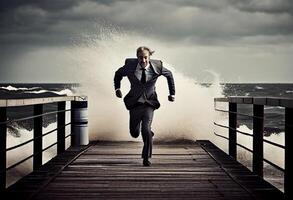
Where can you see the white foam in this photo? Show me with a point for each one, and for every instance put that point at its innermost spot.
(190, 116)
(259, 87)
(67, 92)
(20, 153)
(271, 153)
(11, 88)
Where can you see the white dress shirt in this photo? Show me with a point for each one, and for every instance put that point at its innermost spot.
(149, 72)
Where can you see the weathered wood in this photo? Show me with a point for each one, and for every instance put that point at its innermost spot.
(109, 171)
(34, 101)
(258, 127)
(38, 132)
(253, 184)
(26, 187)
(3, 136)
(61, 128)
(266, 101)
(232, 130)
(288, 177)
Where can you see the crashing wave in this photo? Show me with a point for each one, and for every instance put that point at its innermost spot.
(67, 92)
(259, 88)
(11, 88)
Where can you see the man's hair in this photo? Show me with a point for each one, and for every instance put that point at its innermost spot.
(142, 48)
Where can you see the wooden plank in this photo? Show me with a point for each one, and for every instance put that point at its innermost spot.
(34, 101)
(256, 186)
(114, 171)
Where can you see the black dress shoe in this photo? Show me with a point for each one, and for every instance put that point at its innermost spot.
(146, 163)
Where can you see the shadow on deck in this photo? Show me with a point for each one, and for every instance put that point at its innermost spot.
(113, 170)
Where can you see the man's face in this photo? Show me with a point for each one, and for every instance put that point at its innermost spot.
(143, 58)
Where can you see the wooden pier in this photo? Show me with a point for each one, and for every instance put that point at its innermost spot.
(113, 170)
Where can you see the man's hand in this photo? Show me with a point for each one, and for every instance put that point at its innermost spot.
(118, 93)
(171, 98)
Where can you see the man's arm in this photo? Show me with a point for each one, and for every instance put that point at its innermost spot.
(117, 81)
(171, 84)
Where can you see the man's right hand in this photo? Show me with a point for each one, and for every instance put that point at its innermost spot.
(118, 93)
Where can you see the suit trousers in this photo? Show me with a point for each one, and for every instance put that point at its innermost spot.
(141, 118)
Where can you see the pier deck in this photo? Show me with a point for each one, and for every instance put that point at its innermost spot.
(113, 170)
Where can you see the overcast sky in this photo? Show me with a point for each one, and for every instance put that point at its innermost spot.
(240, 40)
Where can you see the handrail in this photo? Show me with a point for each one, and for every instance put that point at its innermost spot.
(274, 165)
(258, 130)
(77, 105)
(4, 103)
(32, 117)
(244, 147)
(265, 101)
(274, 144)
(251, 151)
(221, 136)
(223, 126)
(250, 135)
(34, 154)
(28, 141)
(241, 114)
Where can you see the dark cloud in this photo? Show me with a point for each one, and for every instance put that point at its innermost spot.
(231, 32)
(264, 6)
(55, 22)
(51, 5)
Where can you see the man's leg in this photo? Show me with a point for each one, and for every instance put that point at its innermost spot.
(147, 134)
(135, 116)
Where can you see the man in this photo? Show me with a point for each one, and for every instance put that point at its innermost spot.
(141, 101)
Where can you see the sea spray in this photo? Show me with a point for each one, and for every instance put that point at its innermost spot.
(97, 58)
(22, 152)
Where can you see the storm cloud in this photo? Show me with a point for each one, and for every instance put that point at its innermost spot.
(195, 21)
(29, 24)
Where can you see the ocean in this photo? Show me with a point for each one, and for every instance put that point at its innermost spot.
(274, 121)
(274, 116)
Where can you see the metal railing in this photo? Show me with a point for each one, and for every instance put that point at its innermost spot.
(38, 134)
(258, 131)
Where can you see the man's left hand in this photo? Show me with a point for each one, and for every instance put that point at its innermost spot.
(171, 98)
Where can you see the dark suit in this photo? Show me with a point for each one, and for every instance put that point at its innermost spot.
(142, 112)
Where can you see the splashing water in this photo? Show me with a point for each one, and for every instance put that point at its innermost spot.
(99, 56)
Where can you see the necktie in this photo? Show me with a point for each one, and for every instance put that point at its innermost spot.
(143, 76)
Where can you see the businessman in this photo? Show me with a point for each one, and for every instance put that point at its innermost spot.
(141, 100)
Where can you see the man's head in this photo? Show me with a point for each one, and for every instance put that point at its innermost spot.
(143, 55)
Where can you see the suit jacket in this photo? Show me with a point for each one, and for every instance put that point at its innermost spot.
(137, 88)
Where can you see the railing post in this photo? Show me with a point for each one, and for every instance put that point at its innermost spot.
(3, 136)
(61, 127)
(232, 130)
(258, 127)
(288, 176)
(72, 138)
(38, 132)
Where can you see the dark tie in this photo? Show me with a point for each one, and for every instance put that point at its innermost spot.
(143, 76)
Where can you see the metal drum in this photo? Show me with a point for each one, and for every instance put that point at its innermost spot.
(79, 123)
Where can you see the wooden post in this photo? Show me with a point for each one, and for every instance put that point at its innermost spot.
(258, 127)
(288, 152)
(3, 136)
(232, 130)
(61, 127)
(38, 131)
(73, 138)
